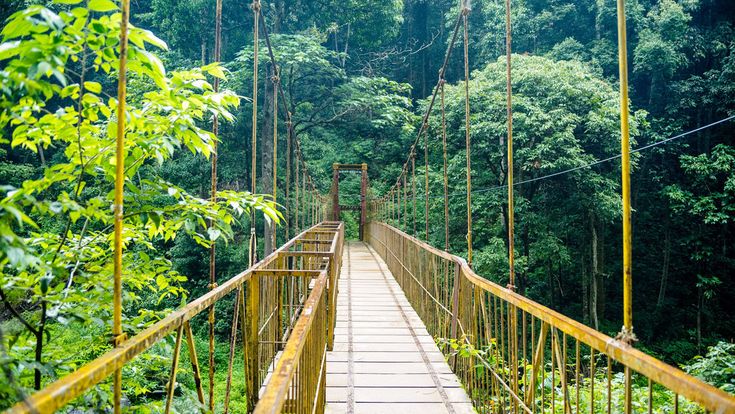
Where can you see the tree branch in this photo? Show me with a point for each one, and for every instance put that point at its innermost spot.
(15, 313)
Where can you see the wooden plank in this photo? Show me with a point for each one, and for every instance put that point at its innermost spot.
(384, 360)
(393, 380)
(402, 408)
(397, 395)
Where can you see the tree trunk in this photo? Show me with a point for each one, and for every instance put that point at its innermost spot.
(347, 45)
(280, 14)
(598, 19)
(39, 347)
(204, 51)
(601, 286)
(594, 288)
(665, 267)
(41, 156)
(700, 304)
(521, 275)
(585, 294)
(424, 21)
(550, 283)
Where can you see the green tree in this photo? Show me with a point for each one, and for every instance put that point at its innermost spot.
(661, 47)
(565, 117)
(55, 248)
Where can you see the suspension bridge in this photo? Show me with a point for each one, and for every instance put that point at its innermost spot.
(389, 323)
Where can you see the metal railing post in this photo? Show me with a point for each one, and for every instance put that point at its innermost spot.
(253, 306)
(332, 292)
(455, 308)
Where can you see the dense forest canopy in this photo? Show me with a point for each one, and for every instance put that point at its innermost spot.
(358, 75)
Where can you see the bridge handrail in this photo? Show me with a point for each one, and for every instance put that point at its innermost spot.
(305, 353)
(674, 379)
(307, 328)
(57, 394)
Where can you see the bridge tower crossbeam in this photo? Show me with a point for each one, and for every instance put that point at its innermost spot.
(337, 168)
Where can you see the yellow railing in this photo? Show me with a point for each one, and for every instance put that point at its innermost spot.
(298, 381)
(515, 355)
(271, 303)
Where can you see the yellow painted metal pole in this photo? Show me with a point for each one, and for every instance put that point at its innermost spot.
(626, 335)
(413, 189)
(196, 372)
(253, 303)
(274, 244)
(276, 80)
(446, 178)
(117, 331)
(171, 386)
(509, 103)
(287, 203)
(426, 184)
(465, 12)
(625, 147)
(513, 313)
(213, 195)
(305, 197)
(297, 181)
(251, 338)
(252, 250)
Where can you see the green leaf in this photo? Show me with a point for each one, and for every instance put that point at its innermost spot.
(213, 233)
(9, 49)
(149, 37)
(79, 12)
(93, 87)
(67, 1)
(161, 282)
(17, 27)
(216, 71)
(102, 5)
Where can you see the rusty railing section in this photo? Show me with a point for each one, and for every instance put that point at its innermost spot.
(283, 306)
(297, 383)
(514, 355)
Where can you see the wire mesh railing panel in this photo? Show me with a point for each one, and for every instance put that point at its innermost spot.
(297, 383)
(298, 380)
(513, 355)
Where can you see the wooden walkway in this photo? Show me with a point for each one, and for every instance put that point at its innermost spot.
(384, 360)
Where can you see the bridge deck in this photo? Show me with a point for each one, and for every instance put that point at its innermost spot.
(384, 360)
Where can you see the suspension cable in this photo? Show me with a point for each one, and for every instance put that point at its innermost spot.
(446, 178)
(413, 190)
(424, 124)
(296, 197)
(435, 90)
(287, 110)
(275, 79)
(405, 203)
(426, 183)
(395, 215)
(287, 203)
(597, 162)
(305, 201)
